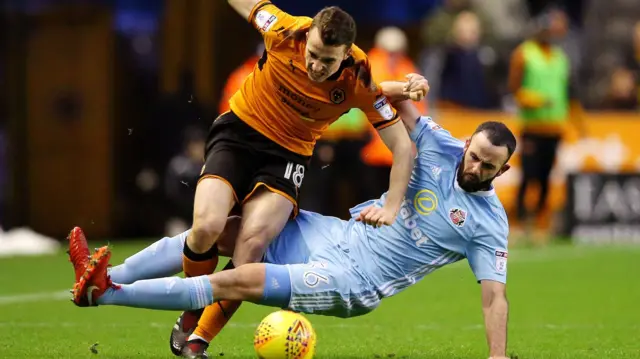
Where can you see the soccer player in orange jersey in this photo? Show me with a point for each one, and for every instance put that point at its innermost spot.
(257, 153)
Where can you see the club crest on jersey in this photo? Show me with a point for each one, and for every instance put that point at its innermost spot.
(337, 95)
(501, 261)
(458, 216)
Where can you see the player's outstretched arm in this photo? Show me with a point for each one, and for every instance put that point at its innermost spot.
(243, 7)
(409, 114)
(496, 312)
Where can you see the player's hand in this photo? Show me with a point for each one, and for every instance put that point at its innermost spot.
(376, 216)
(416, 87)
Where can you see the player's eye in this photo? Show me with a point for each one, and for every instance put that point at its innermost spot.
(313, 55)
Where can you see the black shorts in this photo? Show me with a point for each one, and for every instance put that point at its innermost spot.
(246, 160)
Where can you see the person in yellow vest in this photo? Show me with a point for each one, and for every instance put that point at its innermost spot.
(540, 79)
(389, 62)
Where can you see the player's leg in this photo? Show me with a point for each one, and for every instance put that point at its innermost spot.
(174, 293)
(264, 215)
(163, 258)
(529, 173)
(317, 287)
(214, 200)
(230, 161)
(546, 159)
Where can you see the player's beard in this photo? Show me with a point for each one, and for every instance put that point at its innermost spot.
(470, 182)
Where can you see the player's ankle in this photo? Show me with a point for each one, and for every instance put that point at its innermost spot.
(197, 337)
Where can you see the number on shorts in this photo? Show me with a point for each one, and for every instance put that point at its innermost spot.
(312, 279)
(296, 176)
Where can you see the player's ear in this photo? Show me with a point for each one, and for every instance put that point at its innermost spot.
(467, 143)
(348, 53)
(504, 169)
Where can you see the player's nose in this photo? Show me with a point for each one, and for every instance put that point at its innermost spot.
(316, 67)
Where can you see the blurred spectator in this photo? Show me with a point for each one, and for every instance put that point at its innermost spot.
(389, 62)
(237, 77)
(436, 28)
(180, 180)
(623, 92)
(632, 64)
(540, 79)
(506, 18)
(461, 68)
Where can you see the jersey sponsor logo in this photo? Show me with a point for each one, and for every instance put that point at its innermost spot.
(384, 108)
(409, 220)
(458, 216)
(501, 260)
(425, 202)
(337, 95)
(295, 101)
(264, 20)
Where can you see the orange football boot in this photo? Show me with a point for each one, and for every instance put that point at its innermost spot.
(78, 251)
(94, 281)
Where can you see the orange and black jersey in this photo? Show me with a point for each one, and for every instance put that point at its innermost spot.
(281, 102)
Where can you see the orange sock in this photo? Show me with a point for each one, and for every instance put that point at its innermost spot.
(214, 318)
(197, 264)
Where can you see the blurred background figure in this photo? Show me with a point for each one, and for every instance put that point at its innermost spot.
(236, 78)
(389, 62)
(180, 180)
(540, 79)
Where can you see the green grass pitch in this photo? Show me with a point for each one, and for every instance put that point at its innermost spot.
(566, 302)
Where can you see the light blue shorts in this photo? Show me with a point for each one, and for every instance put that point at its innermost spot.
(322, 258)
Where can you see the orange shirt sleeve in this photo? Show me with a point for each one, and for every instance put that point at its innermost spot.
(274, 23)
(370, 99)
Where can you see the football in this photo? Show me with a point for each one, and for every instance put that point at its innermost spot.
(285, 335)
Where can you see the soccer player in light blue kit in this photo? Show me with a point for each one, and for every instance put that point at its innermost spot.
(325, 265)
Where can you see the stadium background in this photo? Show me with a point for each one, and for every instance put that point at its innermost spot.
(104, 106)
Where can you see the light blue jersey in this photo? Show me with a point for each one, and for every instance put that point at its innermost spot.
(344, 268)
(436, 211)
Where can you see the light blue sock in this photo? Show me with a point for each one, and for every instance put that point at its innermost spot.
(171, 293)
(161, 259)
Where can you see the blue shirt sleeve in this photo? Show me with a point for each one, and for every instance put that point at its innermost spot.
(431, 137)
(487, 254)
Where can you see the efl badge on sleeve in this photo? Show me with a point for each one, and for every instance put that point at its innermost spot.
(501, 261)
(264, 20)
(384, 108)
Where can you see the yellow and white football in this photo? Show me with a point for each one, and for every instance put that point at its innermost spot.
(285, 335)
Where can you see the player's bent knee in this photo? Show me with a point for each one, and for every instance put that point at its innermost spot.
(205, 233)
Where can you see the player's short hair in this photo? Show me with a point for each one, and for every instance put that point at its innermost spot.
(499, 135)
(336, 26)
